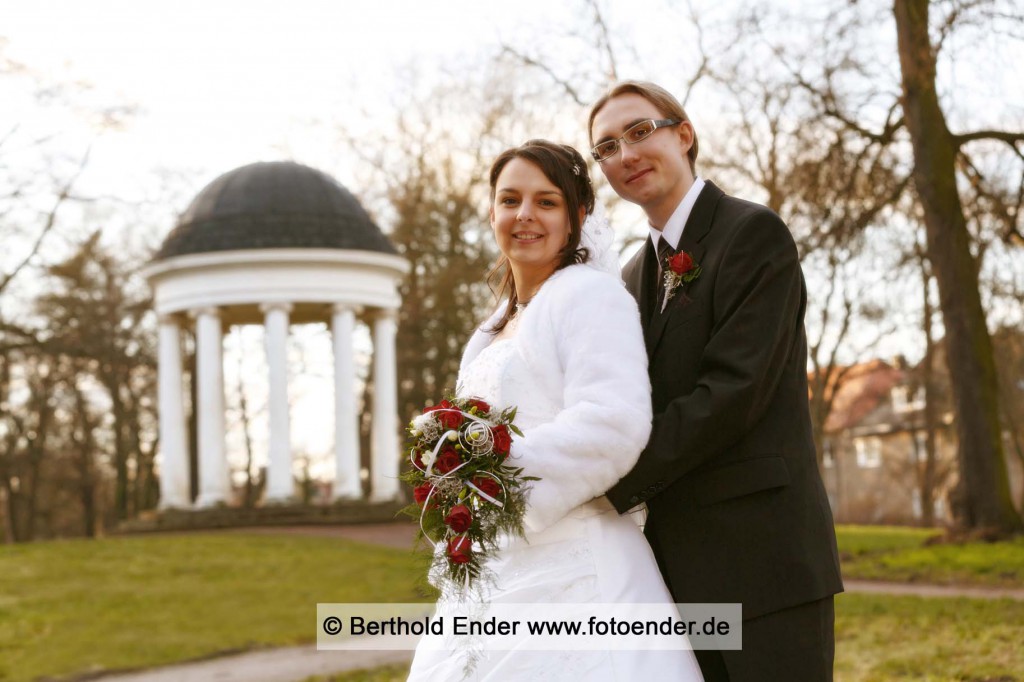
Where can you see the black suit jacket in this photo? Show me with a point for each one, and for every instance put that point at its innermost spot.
(737, 511)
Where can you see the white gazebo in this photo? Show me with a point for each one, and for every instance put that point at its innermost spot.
(275, 244)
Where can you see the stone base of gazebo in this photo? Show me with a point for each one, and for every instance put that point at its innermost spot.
(275, 515)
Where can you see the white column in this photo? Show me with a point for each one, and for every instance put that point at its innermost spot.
(213, 465)
(347, 484)
(280, 487)
(174, 493)
(384, 468)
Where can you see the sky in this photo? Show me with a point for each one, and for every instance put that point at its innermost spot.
(220, 84)
(217, 84)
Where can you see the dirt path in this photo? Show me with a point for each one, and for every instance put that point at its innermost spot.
(288, 664)
(400, 534)
(942, 591)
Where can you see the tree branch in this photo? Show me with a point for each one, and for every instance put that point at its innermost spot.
(953, 18)
(51, 220)
(1001, 135)
(703, 69)
(604, 43)
(561, 82)
(1000, 208)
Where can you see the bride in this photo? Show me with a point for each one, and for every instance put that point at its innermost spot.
(567, 350)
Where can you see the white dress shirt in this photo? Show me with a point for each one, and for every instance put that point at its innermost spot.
(673, 230)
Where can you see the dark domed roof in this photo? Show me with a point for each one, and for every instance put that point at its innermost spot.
(273, 206)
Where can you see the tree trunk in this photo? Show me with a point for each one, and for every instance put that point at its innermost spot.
(987, 502)
(819, 412)
(36, 450)
(86, 479)
(366, 431)
(1015, 439)
(122, 494)
(5, 511)
(193, 418)
(250, 456)
(6, 501)
(930, 397)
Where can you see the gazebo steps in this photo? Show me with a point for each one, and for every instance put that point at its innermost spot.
(271, 515)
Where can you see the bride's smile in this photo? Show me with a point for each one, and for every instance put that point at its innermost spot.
(530, 222)
(526, 236)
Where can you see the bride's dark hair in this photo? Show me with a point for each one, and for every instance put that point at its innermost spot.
(566, 169)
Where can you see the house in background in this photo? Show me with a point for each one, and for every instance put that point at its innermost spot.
(875, 462)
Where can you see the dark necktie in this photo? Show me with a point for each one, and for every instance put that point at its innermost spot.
(665, 251)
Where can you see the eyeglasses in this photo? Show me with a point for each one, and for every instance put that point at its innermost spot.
(636, 133)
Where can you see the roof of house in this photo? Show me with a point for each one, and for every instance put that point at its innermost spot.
(864, 388)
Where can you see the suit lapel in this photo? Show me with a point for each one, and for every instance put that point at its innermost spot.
(697, 227)
(640, 282)
(648, 272)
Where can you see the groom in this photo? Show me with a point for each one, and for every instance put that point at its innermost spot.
(736, 508)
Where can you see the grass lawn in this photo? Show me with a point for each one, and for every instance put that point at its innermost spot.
(881, 638)
(855, 541)
(79, 606)
(895, 553)
(73, 607)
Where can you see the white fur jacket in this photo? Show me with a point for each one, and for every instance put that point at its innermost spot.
(578, 376)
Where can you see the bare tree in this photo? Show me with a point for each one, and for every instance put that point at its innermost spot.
(86, 449)
(32, 423)
(1009, 347)
(985, 488)
(849, 84)
(97, 314)
(38, 177)
(929, 474)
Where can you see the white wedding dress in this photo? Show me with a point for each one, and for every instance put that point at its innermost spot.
(591, 555)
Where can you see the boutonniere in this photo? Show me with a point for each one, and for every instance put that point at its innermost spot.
(678, 269)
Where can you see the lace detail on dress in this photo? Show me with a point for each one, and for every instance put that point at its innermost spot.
(485, 374)
(540, 569)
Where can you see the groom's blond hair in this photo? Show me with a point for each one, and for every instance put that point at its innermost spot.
(661, 98)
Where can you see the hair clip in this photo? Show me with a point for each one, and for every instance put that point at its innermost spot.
(576, 169)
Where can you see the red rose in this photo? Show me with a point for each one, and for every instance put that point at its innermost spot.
(502, 439)
(488, 486)
(459, 519)
(480, 405)
(447, 460)
(421, 492)
(681, 263)
(459, 549)
(443, 405)
(417, 459)
(451, 416)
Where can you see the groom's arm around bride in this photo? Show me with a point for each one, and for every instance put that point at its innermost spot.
(736, 507)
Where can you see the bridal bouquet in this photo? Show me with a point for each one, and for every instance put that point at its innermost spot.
(466, 494)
